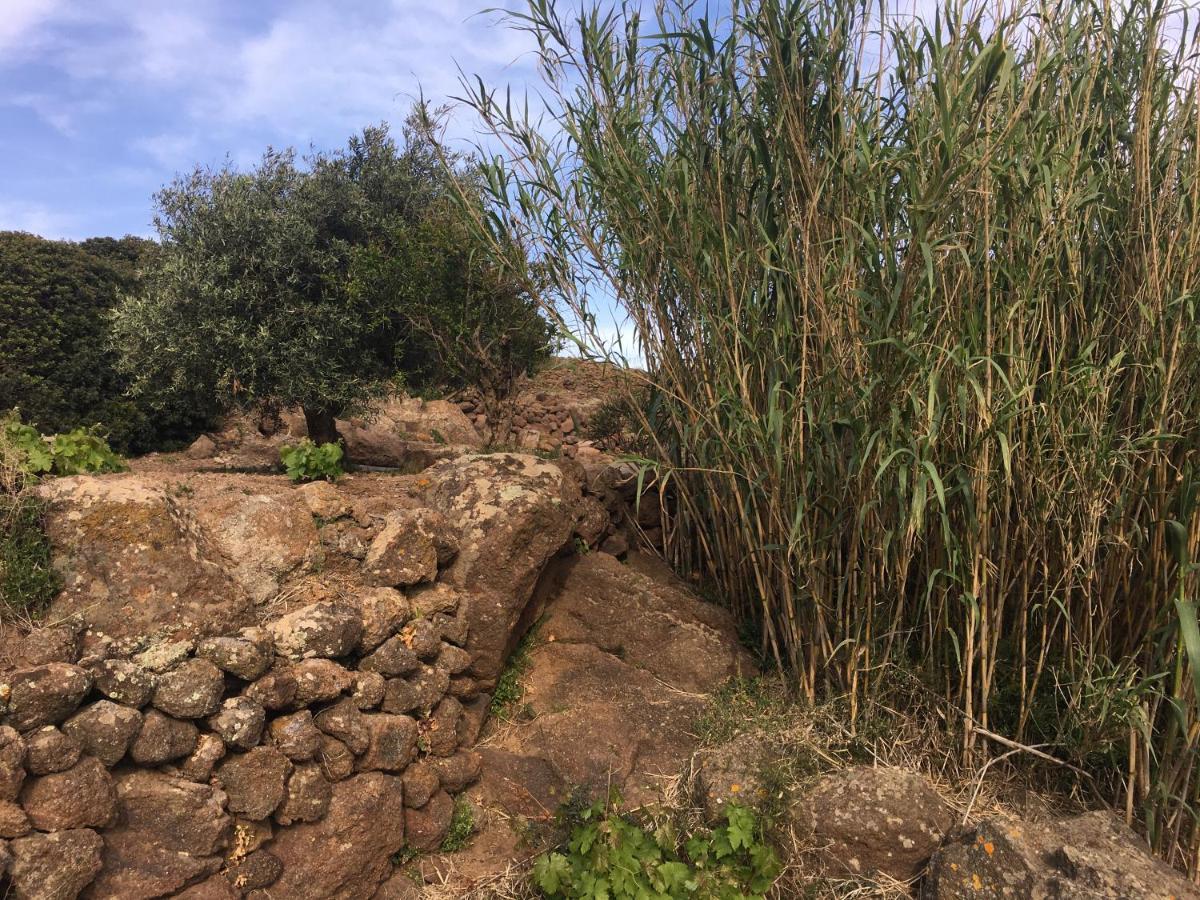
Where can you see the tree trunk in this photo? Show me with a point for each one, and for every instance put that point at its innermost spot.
(322, 429)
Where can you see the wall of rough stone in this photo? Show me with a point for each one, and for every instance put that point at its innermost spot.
(238, 763)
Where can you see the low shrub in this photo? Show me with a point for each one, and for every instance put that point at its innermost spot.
(77, 452)
(616, 856)
(307, 461)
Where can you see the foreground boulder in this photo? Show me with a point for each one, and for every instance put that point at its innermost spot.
(1091, 855)
(348, 853)
(512, 514)
(58, 865)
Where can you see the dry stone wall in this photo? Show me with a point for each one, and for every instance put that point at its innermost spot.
(239, 758)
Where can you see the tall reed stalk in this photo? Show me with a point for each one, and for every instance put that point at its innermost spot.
(918, 302)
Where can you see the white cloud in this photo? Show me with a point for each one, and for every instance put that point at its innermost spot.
(20, 18)
(36, 218)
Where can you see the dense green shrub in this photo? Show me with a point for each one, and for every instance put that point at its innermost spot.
(307, 461)
(55, 359)
(922, 306)
(80, 451)
(613, 856)
(316, 283)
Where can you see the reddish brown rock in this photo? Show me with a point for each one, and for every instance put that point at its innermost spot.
(192, 690)
(458, 771)
(239, 722)
(404, 552)
(323, 629)
(346, 722)
(870, 821)
(55, 643)
(392, 743)
(319, 681)
(418, 693)
(307, 796)
(12, 759)
(199, 764)
(171, 834)
(54, 866)
(420, 784)
(44, 695)
(49, 750)
(296, 736)
(441, 729)
(384, 612)
(259, 869)
(104, 729)
(337, 762)
(393, 657)
(348, 853)
(247, 656)
(123, 681)
(254, 781)
(162, 739)
(83, 796)
(1092, 856)
(425, 828)
(275, 690)
(13, 820)
(368, 689)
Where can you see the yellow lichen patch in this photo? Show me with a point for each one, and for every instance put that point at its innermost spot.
(977, 882)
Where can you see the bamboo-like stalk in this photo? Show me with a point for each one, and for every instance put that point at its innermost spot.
(918, 307)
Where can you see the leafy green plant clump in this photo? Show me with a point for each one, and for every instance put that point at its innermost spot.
(462, 826)
(613, 856)
(307, 461)
(80, 451)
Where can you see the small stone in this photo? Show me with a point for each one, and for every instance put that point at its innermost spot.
(347, 723)
(199, 765)
(49, 750)
(452, 659)
(45, 695)
(393, 743)
(424, 638)
(425, 828)
(384, 612)
(12, 758)
(54, 866)
(192, 690)
(254, 781)
(56, 643)
(307, 796)
(319, 681)
(403, 553)
(81, 797)
(124, 682)
(162, 739)
(296, 736)
(441, 729)
(420, 783)
(456, 772)
(239, 723)
(259, 869)
(463, 687)
(275, 690)
(320, 630)
(368, 689)
(247, 656)
(104, 729)
(13, 820)
(454, 628)
(392, 658)
(337, 762)
(249, 835)
(163, 656)
(475, 713)
(421, 692)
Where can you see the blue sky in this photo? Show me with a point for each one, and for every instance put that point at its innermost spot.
(103, 101)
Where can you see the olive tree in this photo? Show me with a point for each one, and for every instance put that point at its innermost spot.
(258, 292)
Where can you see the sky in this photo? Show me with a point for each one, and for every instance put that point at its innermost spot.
(103, 101)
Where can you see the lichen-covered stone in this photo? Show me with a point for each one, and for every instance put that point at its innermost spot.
(420, 783)
(14, 821)
(337, 762)
(49, 750)
(403, 553)
(384, 612)
(441, 729)
(368, 689)
(259, 869)
(239, 722)
(296, 736)
(307, 796)
(418, 693)
(12, 759)
(452, 659)
(199, 764)
(426, 827)
(247, 656)
(319, 681)
(275, 690)
(392, 658)
(44, 695)
(456, 772)
(346, 722)
(323, 629)
(192, 690)
(163, 655)
(54, 866)
(424, 638)
(123, 681)
(104, 729)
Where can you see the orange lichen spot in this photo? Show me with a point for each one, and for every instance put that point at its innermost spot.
(953, 867)
(989, 848)
(734, 788)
